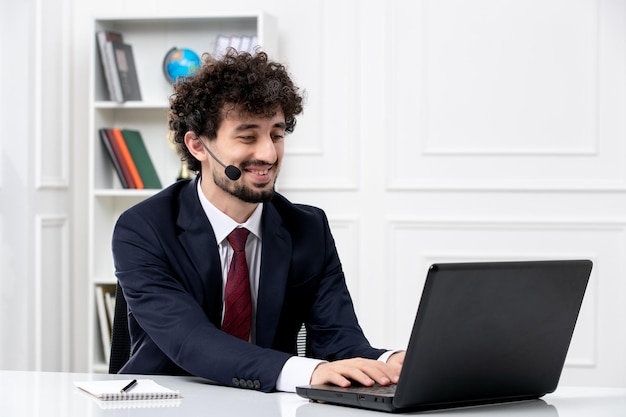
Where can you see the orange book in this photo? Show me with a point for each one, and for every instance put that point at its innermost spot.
(109, 139)
(128, 158)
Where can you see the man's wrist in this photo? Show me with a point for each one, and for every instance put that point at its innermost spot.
(385, 356)
(296, 371)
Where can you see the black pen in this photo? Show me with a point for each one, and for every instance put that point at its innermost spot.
(128, 387)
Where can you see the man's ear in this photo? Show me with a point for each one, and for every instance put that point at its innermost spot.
(192, 141)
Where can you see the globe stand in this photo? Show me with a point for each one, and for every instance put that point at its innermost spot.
(184, 173)
(177, 64)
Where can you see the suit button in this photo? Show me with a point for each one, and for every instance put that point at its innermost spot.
(236, 382)
(257, 384)
(250, 383)
(243, 383)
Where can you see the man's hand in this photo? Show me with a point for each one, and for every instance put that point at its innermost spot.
(364, 371)
(396, 361)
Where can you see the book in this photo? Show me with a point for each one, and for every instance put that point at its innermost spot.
(103, 322)
(235, 42)
(222, 42)
(115, 156)
(143, 389)
(127, 158)
(104, 39)
(141, 157)
(126, 71)
(254, 43)
(109, 302)
(119, 155)
(246, 43)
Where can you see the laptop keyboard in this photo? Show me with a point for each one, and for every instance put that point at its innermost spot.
(374, 390)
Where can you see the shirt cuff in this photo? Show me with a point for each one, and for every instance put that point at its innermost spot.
(296, 371)
(385, 356)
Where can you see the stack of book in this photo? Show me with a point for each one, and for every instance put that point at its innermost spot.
(130, 158)
(105, 306)
(118, 65)
(242, 43)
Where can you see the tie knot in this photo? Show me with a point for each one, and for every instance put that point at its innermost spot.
(237, 239)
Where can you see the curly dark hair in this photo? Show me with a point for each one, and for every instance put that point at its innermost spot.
(251, 83)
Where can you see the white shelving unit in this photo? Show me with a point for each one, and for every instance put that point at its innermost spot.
(151, 38)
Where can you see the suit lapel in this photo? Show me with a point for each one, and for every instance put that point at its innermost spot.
(197, 237)
(275, 260)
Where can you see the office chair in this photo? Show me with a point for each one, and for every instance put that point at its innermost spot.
(120, 338)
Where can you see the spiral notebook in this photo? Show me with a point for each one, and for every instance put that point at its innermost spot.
(144, 389)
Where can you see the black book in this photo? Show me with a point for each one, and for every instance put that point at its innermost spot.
(105, 39)
(113, 155)
(125, 65)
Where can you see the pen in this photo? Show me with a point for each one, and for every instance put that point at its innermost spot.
(128, 387)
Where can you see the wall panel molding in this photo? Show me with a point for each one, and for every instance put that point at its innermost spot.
(414, 244)
(503, 112)
(51, 130)
(52, 293)
(346, 234)
(322, 153)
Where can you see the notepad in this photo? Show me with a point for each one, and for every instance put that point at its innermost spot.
(121, 405)
(144, 389)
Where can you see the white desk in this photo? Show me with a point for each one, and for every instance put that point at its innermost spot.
(51, 394)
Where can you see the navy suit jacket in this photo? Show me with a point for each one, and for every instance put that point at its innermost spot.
(168, 265)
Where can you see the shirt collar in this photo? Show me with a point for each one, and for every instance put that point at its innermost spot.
(222, 224)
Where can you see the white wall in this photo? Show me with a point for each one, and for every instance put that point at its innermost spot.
(14, 110)
(35, 209)
(455, 130)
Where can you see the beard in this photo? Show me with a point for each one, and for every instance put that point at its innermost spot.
(242, 191)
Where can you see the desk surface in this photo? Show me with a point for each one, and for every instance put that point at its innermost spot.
(51, 394)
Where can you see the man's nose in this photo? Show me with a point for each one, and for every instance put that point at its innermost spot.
(266, 150)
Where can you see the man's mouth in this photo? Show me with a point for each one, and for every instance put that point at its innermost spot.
(258, 171)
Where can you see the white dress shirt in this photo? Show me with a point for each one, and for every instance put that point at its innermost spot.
(297, 370)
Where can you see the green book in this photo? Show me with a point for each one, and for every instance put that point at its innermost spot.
(142, 160)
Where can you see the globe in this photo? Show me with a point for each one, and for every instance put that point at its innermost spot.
(180, 62)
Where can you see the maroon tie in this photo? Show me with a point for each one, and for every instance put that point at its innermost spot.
(237, 301)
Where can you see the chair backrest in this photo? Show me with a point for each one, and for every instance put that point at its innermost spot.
(120, 338)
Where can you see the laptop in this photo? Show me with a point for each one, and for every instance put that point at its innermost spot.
(485, 332)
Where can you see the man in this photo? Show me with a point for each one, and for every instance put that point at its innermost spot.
(173, 252)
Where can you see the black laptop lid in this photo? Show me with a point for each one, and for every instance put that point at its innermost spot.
(490, 332)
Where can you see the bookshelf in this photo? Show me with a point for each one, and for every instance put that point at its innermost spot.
(151, 38)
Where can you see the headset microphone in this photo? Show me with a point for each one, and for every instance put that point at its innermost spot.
(232, 172)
